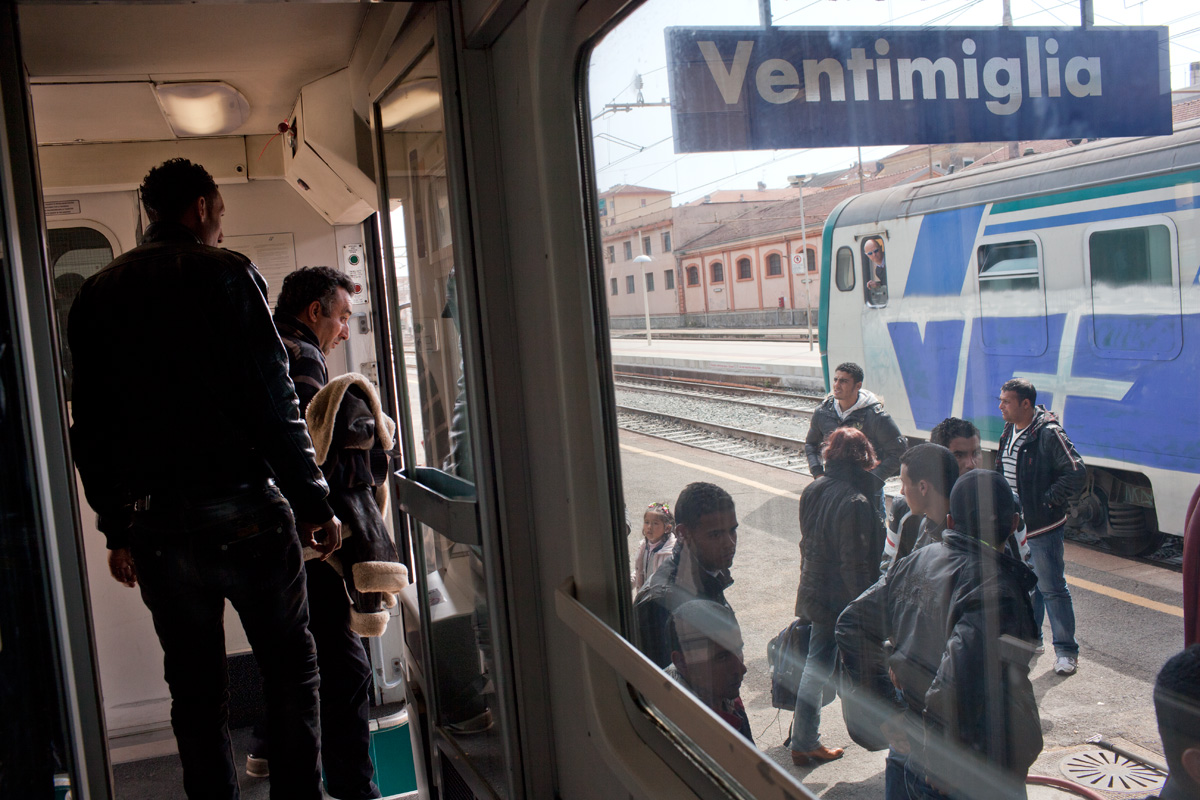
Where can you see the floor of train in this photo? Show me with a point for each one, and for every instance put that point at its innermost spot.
(149, 779)
(1128, 623)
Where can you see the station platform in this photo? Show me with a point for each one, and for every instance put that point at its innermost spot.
(789, 333)
(783, 363)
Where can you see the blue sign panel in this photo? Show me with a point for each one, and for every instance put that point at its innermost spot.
(774, 88)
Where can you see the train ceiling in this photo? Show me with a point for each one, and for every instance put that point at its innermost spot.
(93, 67)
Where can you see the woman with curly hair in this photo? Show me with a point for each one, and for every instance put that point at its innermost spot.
(841, 538)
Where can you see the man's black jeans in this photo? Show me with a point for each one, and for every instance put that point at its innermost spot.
(190, 557)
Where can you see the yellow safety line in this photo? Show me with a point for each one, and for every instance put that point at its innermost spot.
(716, 472)
(1153, 605)
(1116, 594)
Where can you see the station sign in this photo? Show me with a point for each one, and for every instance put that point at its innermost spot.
(778, 88)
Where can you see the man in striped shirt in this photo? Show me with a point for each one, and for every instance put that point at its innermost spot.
(1046, 473)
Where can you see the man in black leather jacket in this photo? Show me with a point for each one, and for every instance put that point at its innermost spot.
(185, 430)
(951, 628)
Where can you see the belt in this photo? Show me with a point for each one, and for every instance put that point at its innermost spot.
(175, 497)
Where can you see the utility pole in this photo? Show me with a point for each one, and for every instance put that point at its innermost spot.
(798, 181)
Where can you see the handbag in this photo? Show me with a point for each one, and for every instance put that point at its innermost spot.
(786, 655)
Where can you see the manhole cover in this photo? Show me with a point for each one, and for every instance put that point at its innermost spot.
(1109, 772)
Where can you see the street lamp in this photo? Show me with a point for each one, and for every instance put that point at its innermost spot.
(643, 260)
(798, 182)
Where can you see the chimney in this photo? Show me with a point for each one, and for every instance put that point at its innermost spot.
(1028, 151)
(762, 187)
(1194, 74)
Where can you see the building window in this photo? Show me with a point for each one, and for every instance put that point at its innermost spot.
(810, 259)
(646, 246)
(612, 254)
(666, 241)
(718, 272)
(629, 285)
(643, 202)
(693, 276)
(669, 279)
(614, 285)
(743, 268)
(774, 265)
(649, 281)
(628, 251)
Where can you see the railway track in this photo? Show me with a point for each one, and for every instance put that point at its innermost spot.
(714, 388)
(792, 410)
(761, 448)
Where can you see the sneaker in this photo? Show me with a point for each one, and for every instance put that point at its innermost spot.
(1041, 648)
(1066, 665)
(257, 767)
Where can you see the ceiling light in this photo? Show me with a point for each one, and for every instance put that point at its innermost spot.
(202, 109)
(409, 101)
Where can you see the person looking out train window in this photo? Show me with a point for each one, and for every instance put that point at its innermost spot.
(187, 445)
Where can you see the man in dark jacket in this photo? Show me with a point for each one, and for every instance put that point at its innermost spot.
(850, 404)
(706, 527)
(181, 479)
(1042, 467)
(952, 627)
(311, 315)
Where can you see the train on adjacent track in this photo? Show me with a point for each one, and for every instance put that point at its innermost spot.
(1076, 269)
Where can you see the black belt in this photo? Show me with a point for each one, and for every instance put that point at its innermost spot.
(175, 497)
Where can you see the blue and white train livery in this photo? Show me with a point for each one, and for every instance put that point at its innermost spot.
(1079, 270)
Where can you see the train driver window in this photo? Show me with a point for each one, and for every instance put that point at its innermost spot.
(845, 269)
(1012, 304)
(1135, 267)
(874, 265)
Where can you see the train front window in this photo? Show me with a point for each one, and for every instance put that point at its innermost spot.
(75, 254)
(1135, 265)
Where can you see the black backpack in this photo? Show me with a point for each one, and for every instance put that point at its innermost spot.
(786, 654)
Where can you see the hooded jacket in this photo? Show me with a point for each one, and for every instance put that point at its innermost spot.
(959, 622)
(868, 416)
(841, 538)
(1050, 474)
(674, 583)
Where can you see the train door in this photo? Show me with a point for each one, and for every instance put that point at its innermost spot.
(52, 729)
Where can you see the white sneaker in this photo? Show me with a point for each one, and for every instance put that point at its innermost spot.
(1066, 665)
(1041, 648)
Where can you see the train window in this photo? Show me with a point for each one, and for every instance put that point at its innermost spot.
(1135, 266)
(744, 271)
(1012, 305)
(874, 266)
(845, 269)
(75, 255)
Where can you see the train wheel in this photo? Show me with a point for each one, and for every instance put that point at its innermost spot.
(1132, 530)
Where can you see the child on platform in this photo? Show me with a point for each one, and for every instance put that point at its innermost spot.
(658, 544)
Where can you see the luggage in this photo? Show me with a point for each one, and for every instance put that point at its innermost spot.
(786, 654)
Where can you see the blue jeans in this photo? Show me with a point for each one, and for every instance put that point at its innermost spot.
(1052, 594)
(190, 558)
(822, 648)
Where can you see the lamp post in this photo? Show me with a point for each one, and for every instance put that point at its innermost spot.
(643, 260)
(798, 182)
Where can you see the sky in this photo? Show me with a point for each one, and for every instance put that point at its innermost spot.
(636, 147)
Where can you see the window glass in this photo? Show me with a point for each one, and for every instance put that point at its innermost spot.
(743, 268)
(845, 269)
(612, 254)
(774, 265)
(1135, 268)
(75, 255)
(466, 660)
(718, 272)
(628, 251)
(649, 281)
(810, 259)
(1012, 308)
(614, 285)
(666, 241)
(669, 279)
(646, 246)
(875, 280)
(629, 284)
(693, 276)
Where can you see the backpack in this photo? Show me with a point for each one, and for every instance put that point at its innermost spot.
(786, 654)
